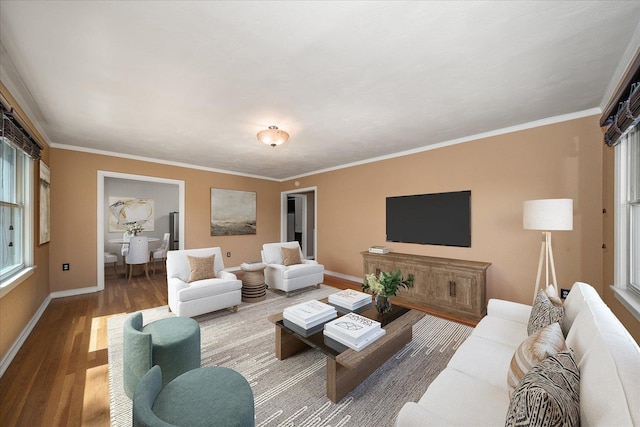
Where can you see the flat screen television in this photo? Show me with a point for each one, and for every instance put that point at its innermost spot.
(430, 219)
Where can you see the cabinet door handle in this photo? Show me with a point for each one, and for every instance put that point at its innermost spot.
(454, 288)
(450, 288)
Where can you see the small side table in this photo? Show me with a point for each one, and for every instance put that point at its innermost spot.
(253, 287)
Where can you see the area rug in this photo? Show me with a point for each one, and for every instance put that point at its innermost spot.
(292, 392)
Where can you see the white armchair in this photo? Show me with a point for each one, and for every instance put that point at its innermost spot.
(189, 299)
(289, 277)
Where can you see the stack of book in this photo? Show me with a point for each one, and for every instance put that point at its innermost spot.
(350, 300)
(307, 318)
(353, 331)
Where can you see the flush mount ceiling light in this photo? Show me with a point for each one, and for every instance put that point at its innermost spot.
(273, 136)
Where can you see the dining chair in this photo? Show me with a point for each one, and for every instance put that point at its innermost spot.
(138, 253)
(161, 253)
(111, 258)
(125, 245)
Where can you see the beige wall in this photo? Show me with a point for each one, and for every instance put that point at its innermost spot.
(18, 307)
(559, 160)
(73, 208)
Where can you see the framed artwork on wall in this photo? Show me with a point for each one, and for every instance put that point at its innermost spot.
(45, 203)
(125, 212)
(233, 212)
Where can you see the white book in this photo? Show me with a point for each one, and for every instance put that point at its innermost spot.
(350, 299)
(310, 311)
(359, 346)
(379, 249)
(353, 328)
(309, 324)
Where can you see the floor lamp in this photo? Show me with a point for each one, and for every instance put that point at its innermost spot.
(547, 215)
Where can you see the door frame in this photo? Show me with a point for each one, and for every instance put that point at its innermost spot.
(283, 216)
(102, 175)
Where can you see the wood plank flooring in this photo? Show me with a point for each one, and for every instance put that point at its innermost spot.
(60, 376)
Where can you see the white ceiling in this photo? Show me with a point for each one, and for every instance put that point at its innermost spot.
(193, 82)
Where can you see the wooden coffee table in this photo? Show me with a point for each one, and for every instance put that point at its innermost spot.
(346, 369)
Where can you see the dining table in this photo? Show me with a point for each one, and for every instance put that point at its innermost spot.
(121, 240)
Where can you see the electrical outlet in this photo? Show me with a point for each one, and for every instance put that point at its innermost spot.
(564, 293)
(228, 254)
(65, 266)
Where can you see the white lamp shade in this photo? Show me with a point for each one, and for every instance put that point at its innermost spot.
(548, 214)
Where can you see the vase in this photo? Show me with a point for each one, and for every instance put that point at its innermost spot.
(383, 304)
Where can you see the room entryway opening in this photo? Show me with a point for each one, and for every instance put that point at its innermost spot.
(106, 178)
(299, 219)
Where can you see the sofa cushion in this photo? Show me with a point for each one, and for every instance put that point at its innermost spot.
(507, 332)
(548, 395)
(201, 268)
(483, 359)
(579, 294)
(463, 400)
(543, 313)
(609, 362)
(542, 344)
(290, 256)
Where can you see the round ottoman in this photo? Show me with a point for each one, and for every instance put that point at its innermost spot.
(208, 396)
(175, 345)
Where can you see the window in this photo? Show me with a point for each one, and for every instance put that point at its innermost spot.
(15, 236)
(627, 221)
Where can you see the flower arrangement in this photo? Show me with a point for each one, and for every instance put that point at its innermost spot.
(134, 228)
(386, 284)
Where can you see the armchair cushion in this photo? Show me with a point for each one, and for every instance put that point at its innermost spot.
(208, 287)
(290, 256)
(278, 275)
(201, 268)
(221, 290)
(272, 252)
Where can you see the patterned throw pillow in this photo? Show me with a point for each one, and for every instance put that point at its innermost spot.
(543, 313)
(542, 344)
(552, 294)
(548, 395)
(201, 268)
(291, 256)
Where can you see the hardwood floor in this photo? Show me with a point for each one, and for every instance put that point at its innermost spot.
(60, 376)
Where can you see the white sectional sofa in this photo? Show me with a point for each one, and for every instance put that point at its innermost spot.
(473, 391)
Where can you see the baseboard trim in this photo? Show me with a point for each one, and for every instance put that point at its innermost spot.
(11, 354)
(8, 358)
(74, 292)
(344, 276)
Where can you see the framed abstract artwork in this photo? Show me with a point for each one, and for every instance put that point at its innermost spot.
(45, 204)
(125, 212)
(233, 212)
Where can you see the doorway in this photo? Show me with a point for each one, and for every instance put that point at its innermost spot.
(102, 176)
(299, 216)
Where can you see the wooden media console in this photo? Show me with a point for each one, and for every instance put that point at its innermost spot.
(452, 286)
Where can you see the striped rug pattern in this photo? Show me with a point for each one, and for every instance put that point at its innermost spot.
(292, 392)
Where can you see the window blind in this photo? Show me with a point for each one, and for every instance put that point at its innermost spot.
(623, 110)
(18, 136)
